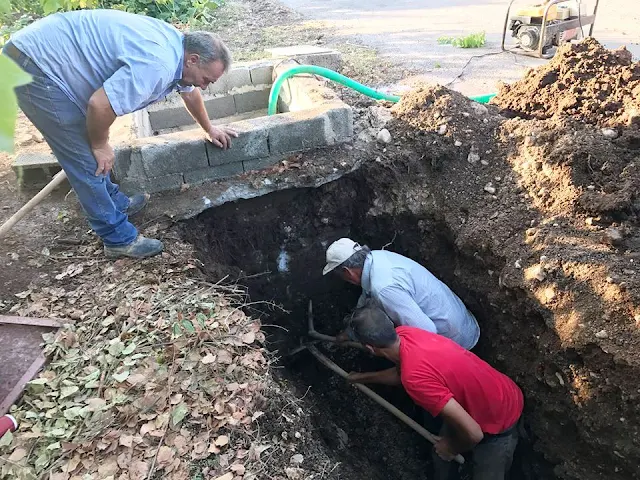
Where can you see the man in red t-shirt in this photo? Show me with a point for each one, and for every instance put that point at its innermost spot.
(479, 406)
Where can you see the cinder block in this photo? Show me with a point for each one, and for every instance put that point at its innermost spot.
(249, 144)
(260, 163)
(238, 77)
(163, 183)
(172, 115)
(142, 124)
(310, 55)
(301, 132)
(173, 153)
(127, 165)
(213, 173)
(261, 74)
(34, 160)
(220, 86)
(340, 125)
(251, 101)
(220, 107)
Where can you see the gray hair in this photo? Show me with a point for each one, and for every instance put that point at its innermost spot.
(372, 326)
(357, 259)
(208, 46)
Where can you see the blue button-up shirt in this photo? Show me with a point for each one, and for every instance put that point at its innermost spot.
(137, 59)
(412, 296)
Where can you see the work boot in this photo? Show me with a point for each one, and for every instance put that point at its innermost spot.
(141, 247)
(137, 203)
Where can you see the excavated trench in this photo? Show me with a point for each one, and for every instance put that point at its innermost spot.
(275, 246)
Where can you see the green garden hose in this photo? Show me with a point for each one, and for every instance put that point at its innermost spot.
(341, 79)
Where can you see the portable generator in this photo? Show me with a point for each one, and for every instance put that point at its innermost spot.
(539, 29)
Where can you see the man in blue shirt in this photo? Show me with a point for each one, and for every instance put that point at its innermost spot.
(89, 67)
(408, 293)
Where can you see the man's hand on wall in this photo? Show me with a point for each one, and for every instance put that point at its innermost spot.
(221, 136)
(105, 157)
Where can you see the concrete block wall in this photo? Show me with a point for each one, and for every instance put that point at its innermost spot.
(166, 162)
(244, 88)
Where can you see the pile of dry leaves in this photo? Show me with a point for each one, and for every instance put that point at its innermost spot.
(153, 370)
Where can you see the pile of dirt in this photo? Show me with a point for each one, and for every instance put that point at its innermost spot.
(585, 81)
(544, 215)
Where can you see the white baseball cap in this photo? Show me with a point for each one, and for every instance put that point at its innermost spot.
(338, 252)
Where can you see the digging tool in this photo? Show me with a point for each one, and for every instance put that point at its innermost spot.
(364, 389)
(16, 217)
(328, 338)
(379, 400)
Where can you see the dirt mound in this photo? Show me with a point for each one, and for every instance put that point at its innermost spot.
(542, 210)
(584, 80)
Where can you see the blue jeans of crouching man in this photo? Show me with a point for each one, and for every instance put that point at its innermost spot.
(491, 458)
(63, 126)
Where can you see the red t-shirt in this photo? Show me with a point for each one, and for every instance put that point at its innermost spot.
(434, 369)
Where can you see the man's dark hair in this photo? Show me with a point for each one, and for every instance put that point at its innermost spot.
(357, 259)
(372, 326)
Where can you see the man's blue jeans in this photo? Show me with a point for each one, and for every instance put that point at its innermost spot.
(63, 126)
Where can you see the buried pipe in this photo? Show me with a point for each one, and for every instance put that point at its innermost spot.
(380, 401)
(341, 79)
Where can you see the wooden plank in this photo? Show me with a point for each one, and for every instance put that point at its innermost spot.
(15, 393)
(37, 322)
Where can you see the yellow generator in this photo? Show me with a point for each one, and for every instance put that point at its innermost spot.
(539, 29)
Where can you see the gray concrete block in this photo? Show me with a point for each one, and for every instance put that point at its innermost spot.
(238, 77)
(34, 160)
(260, 163)
(220, 86)
(310, 55)
(173, 153)
(220, 107)
(127, 163)
(249, 144)
(142, 124)
(251, 101)
(340, 125)
(163, 183)
(213, 173)
(261, 74)
(172, 115)
(301, 132)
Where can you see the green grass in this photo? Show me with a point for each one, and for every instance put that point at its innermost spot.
(437, 65)
(474, 40)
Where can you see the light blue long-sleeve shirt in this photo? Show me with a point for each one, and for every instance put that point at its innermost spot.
(412, 296)
(137, 59)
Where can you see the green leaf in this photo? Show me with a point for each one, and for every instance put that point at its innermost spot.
(5, 6)
(6, 439)
(68, 391)
(116, 347)
(121, 377)
(188, 326)
(129, 349)
(179, 412)
(54, 446)
(50, 6)
(177, 331)
(12, 77)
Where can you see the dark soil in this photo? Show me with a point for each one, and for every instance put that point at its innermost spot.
(532, 222)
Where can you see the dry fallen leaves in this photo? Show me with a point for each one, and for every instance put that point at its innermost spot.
(137, 383)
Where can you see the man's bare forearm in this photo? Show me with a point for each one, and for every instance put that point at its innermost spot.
(390, 376)
(100, 117)
(195, 106)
